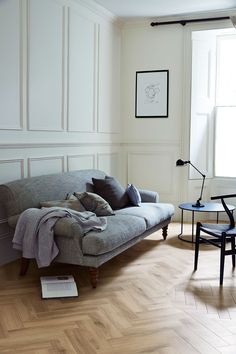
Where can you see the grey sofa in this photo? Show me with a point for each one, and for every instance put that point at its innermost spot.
(124, 229)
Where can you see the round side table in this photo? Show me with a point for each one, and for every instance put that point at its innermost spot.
(208, 208)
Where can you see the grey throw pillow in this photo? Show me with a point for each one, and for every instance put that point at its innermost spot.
(95, 203)
(112, 191)
(133, 194)
(69, 204)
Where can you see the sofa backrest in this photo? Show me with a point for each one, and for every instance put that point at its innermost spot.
(19, 195)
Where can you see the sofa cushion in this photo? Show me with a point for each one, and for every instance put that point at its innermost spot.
(133, 194)
(95, 203)
(152, 213)
(112, 191)
(67, 203)
(19, 195)
(120, 229)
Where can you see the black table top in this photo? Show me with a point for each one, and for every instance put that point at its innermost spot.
(208, 207)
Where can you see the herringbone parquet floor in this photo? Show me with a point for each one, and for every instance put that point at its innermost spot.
(147, 301)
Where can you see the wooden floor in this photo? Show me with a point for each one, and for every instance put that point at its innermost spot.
(147, 301)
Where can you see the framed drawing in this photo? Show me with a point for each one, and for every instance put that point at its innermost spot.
(152, 94)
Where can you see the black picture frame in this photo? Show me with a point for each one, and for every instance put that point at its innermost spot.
(152, 94)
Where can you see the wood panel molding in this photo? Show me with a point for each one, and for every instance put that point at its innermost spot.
(32, 122)
(45, 158)
(11, 67)
(169, 143)
(81, 72)
(57, 144)
(20, 173)
(108, 162)
(82, 157)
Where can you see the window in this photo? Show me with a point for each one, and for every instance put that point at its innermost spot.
(225, 136)
(213, 102)
(225, 125)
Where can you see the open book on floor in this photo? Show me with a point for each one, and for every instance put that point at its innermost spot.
(58, 286)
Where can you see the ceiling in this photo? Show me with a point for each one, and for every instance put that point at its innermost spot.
(156, 8)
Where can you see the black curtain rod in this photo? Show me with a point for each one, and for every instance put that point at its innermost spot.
(183, 22)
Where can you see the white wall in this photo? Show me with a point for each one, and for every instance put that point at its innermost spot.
(59, 92)
(152, 145)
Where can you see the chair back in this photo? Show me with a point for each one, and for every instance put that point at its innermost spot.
(228, 212)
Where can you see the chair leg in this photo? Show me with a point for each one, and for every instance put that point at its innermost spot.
(197, 246)
(233, 250)
(222, 258)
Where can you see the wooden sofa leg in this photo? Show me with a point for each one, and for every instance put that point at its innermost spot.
(164, 232)
(93, 272)
(24, 265)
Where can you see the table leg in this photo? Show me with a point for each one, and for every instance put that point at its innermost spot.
(192, 225)
(181, 223)
(182, 228)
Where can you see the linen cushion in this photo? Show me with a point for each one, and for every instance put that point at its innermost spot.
(67, 203)
(112, 191)
(120, 230)
(152, 213)
(95, 203)
(133, 194)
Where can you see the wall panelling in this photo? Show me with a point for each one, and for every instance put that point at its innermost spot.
(81, 162)
(10, 65)
(59, 92)
(45, 65)
(11, 169)
(109, 80)
(109, 163)
(45, 165)
(81, 73)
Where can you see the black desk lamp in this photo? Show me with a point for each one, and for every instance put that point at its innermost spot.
(182, 163)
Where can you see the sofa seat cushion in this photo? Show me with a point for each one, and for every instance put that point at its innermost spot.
(120, 229)
(152, 213)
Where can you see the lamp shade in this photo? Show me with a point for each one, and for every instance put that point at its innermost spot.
(180, 162)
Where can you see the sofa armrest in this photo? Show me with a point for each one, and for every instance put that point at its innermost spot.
(149, 196)
(68, 237)
(12, 220)
(68, 227)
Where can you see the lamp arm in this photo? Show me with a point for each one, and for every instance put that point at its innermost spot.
(198, 204)
(203, 181)
(204, 176)
(181, 162)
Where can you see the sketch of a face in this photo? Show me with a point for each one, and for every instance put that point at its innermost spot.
(152, 93)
